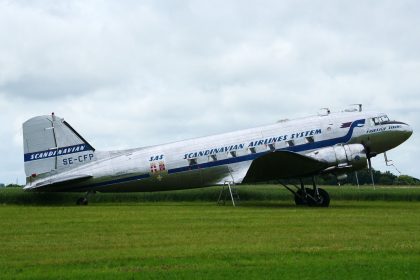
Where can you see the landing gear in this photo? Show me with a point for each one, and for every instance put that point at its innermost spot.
(84, 200)
(320, 200)
(315, 197)
(301, 197)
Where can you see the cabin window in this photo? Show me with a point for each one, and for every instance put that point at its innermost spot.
(290, 143)
(233, 154)
(192, 161)
(252, 150)
(310, 139)
(213, 158)
(271, 147)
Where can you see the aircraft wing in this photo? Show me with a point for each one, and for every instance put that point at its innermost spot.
(56, 184)
(283, 165)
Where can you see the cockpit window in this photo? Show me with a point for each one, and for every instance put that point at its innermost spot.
(380, 120)
(385, 118)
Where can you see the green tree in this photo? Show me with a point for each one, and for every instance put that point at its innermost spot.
(407, 180)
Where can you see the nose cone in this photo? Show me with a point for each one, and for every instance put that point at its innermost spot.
(408, 131)
(399, 134)
(392, 135)
(403, 133)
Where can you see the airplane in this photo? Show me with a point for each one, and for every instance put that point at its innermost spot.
(58, 159)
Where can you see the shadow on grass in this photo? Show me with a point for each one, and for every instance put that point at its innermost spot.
(265, 204)
(42, 199)
(250, 196)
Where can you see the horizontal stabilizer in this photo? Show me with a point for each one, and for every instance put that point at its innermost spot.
(283, 165)
(54, 184)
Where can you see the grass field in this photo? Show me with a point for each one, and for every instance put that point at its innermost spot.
(365, 234)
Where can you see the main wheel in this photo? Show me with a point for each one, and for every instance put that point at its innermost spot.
(82, 201)
(300, 197)
(322, 201)
(299, 200)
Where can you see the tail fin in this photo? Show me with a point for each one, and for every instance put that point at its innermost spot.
(51, 146)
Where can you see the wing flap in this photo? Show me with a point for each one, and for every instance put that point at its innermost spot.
(283, 165)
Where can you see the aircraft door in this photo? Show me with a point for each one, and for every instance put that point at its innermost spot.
(327, 126)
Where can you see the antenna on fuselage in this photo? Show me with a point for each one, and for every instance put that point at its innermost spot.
(358, 105)
(324, 112)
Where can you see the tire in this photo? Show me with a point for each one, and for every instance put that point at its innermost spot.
(325, 197)
(323, 201)
(298, 198)
(82, 201)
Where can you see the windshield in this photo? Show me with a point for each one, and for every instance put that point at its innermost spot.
(380, 120)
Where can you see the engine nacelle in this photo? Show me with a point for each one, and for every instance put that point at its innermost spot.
(345, 157)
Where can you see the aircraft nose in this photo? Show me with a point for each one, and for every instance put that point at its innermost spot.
(404, 132)
(407, 130)
(394, 134)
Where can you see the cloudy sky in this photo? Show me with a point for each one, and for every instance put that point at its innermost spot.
(134, 73)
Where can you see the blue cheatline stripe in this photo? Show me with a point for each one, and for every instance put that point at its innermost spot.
(53, 152)
(328, 142)
(216, 163)
(298, 148)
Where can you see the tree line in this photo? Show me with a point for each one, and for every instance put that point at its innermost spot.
(363, 177)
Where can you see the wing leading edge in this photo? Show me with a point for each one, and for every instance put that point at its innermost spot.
(282, 165)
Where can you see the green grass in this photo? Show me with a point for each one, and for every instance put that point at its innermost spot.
(261, 239)
(246, 193)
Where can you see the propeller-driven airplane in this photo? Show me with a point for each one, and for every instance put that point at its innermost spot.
(58, 159)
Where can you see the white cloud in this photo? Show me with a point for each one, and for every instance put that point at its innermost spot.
(132, 73)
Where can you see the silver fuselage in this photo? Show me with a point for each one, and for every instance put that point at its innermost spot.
(225, 157)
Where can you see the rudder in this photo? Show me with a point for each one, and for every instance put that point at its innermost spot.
(51, 146)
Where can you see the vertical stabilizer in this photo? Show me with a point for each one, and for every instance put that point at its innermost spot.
(51, 146)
